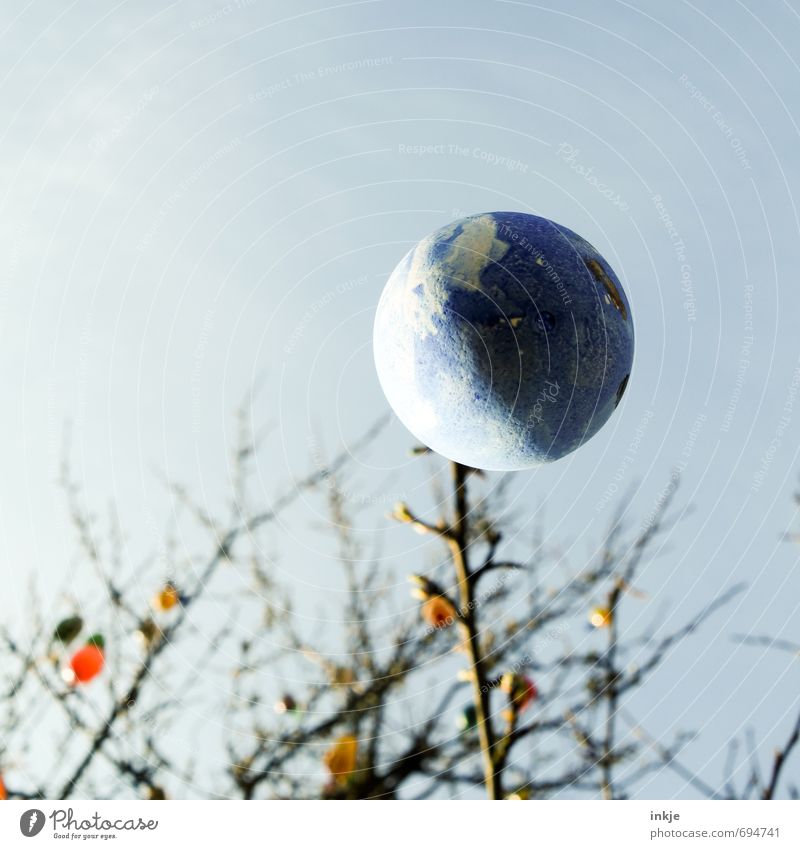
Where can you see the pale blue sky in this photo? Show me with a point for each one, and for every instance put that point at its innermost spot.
(199, 194)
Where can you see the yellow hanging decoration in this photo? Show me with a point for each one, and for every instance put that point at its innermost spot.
(166, 598)
(600, 617)
(341, 758)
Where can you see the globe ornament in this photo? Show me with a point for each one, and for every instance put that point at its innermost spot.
(503, 340)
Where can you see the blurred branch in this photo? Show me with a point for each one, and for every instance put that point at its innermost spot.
(457, 540)
(779, 761)
(121, 706)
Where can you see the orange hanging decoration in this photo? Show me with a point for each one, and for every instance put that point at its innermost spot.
(3, 791)
(438, 612)
(340, 759)
(87, 663)
(166, 598)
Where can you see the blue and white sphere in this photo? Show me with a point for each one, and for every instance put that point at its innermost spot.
(503, 341)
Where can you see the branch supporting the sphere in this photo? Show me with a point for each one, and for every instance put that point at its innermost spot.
(458, 540)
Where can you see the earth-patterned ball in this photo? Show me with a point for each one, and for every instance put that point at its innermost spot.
(503, 340)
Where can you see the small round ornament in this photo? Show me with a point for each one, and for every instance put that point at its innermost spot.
(600, 617)
(166, 598)
(438, 612)
(87, 662)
